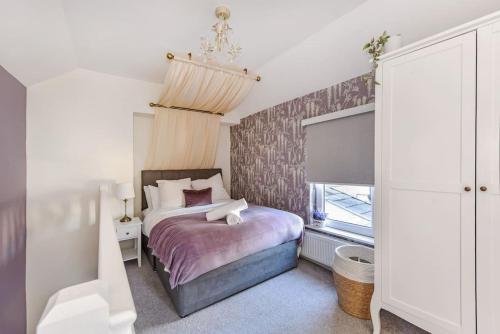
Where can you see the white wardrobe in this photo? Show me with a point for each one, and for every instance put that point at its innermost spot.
(437, 216)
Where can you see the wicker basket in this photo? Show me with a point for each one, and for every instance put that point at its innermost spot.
(355, 291)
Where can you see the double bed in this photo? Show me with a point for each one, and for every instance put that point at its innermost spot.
(200, 263)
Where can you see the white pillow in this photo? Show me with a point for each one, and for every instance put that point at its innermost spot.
(154, 193)
(188, 179)
(146, 212)
(214, 182)
(171, 195)
(148, 197)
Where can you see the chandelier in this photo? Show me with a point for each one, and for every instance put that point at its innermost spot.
(221, 48)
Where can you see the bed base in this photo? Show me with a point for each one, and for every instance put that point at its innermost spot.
(149, 255)
(227, 280)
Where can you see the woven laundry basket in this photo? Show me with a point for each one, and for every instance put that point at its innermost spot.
(353, 273)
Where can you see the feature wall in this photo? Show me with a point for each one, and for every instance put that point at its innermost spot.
(267, 148)
(12, 205)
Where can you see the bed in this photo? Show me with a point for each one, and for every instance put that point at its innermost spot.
(223, 281)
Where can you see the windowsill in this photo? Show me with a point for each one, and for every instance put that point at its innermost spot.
(357, 238)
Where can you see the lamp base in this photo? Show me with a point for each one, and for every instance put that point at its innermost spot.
(125, 219)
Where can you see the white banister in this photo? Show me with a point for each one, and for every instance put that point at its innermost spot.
(112, 271)
(104, 305)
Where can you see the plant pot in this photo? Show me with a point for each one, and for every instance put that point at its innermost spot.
(394, 43)
(318, 223)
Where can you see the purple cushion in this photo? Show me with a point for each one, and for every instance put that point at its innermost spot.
(198, 197)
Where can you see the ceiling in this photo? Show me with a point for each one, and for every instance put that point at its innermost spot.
(43, 39)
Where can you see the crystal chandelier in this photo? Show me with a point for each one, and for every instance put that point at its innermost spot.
(221, 47)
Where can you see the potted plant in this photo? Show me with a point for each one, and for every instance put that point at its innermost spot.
(375, 48)
(319, 218)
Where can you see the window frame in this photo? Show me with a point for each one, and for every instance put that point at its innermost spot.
(318, 202)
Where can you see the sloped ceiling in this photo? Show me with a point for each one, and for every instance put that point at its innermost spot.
(43, 39)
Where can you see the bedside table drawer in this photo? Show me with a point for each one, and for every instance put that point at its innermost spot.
(129, 232)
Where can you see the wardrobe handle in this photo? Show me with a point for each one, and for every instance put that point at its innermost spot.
(483, 188)
(467, 188)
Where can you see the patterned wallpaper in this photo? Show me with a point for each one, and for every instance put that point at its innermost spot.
(267, 148)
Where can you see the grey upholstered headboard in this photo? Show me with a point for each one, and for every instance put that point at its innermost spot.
(149, 177)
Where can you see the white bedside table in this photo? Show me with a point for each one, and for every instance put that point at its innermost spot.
(128, 231)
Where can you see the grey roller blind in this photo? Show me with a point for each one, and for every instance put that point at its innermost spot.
(341, 150)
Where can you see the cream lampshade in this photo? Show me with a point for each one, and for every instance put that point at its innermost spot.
(125, 191)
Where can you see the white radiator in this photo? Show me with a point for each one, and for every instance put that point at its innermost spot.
(320, 248)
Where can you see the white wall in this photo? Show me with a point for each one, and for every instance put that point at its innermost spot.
(79, 133)
(83, 128)
(143, 125)
(334, 54)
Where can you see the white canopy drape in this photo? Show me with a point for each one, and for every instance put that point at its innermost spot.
(183, 139)
(197, 85)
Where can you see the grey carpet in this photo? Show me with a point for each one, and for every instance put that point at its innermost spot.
(302, 300)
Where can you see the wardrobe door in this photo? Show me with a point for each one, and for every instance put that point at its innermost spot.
(488, 181)
(427, 236)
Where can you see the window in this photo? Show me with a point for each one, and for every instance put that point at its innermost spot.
(348, 207)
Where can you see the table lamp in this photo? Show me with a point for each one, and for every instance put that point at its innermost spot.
(125, 191)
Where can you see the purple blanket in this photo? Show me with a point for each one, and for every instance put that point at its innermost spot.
(189, 246)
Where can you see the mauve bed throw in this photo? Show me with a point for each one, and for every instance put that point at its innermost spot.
(189, 246)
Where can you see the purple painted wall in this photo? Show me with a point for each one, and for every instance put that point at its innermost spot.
(267, 148)
(12, 205)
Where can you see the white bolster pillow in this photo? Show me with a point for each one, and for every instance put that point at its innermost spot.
(234, 218)
(222, 211)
